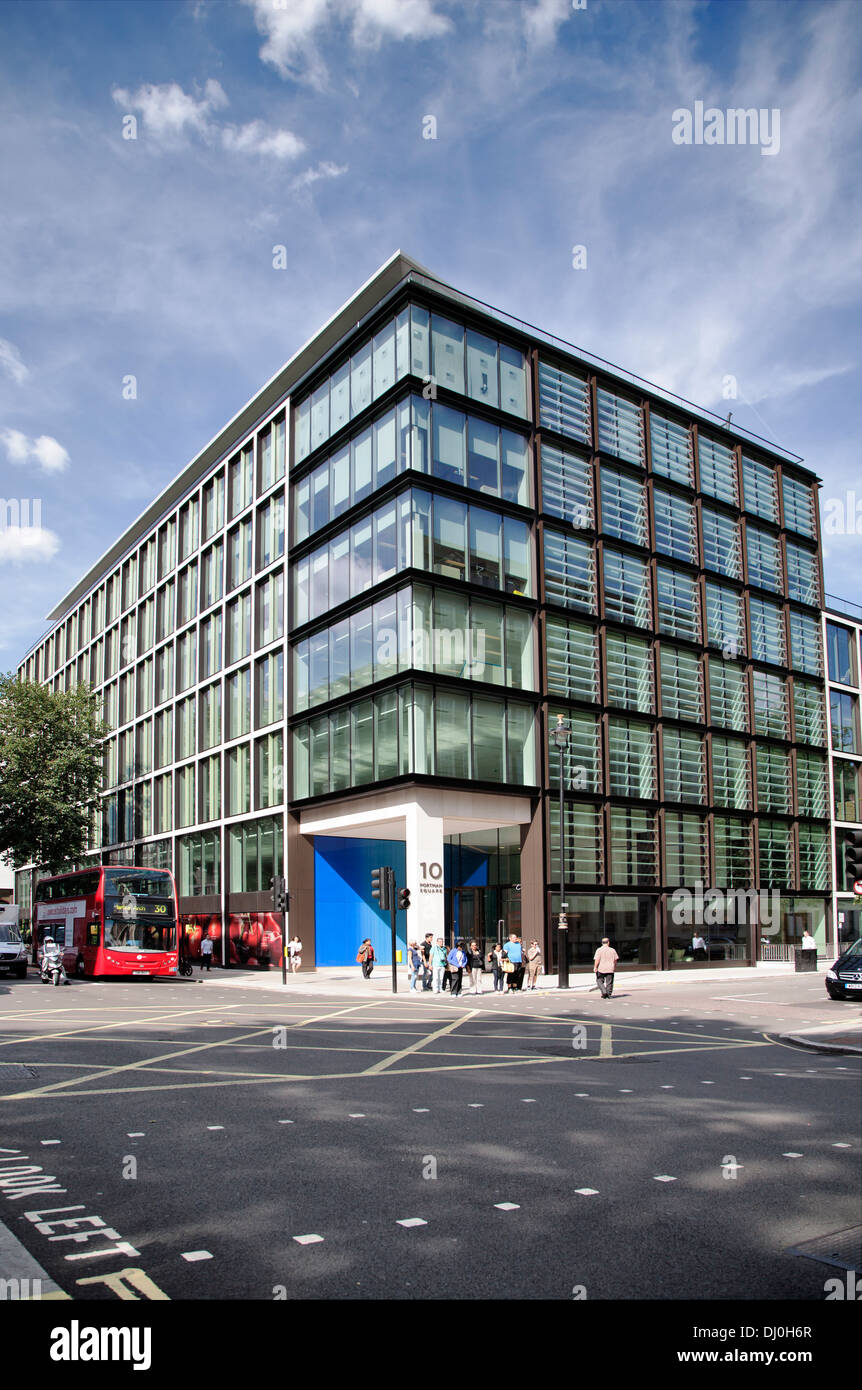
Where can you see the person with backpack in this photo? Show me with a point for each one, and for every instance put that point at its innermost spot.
(365, 958)
(415, 972)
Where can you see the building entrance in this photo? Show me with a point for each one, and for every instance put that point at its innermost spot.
(484, 914)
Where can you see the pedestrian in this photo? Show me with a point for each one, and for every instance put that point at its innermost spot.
(698, 947)
(294, 951)
(365, 958)
(495, 960)
(414, 967)
(427, 945)
(206, 952)
(438, 965)
(457, 959)
(513, 953)
(477, 966)
(809, 948)
(534, 964)
(604, 964)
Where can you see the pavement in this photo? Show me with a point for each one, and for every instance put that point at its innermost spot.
(346, 982)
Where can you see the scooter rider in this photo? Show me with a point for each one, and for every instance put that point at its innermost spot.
(51, 956)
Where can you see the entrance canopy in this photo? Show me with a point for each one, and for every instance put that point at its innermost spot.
(422, 819)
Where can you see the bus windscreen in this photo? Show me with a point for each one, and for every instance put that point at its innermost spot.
(139, 911)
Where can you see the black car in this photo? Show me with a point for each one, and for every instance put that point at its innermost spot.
(844, 980)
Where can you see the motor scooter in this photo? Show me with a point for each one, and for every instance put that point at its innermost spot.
(53, 970)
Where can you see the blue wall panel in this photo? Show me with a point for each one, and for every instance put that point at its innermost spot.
(344, 910)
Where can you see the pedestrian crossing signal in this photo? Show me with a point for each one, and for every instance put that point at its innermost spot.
(403, 899)
(380, 887)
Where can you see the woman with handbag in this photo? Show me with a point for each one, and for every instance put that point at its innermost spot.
(365, 958)
(495, 960)
(457, 959)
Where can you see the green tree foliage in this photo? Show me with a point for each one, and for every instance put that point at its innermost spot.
(50, 771)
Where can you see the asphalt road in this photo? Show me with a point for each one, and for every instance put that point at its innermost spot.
(240, 1145)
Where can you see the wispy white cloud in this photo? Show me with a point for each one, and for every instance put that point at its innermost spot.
(291, 29)
(326, 170)
(257, 138)
(21, 545)
(45, 451)
(10, 361)
(170, 115)
(543, 19)
(168, 112)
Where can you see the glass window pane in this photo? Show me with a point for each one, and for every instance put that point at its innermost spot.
(482, 368)
(447, 347)
(449, 447)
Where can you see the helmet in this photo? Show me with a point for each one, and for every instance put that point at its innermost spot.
(47, 940)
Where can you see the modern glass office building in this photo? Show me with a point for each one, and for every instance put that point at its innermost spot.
(842, 633)
(342, 637)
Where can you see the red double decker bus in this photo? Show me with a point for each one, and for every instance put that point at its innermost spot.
(110, 920)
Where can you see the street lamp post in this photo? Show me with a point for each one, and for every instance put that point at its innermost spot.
(561, 739)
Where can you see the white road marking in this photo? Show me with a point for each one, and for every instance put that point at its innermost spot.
(49, 1141)
(587, 1191)
(581, 1093)
(135, 1134)
(624, 1091)
(356, 1116)
(791, 1155)
(527, 1100)
(287, 1122)
(215, 1126)
(507, 1206)
(421, 1110)
(476, 1105)
(308, 1240)
(743, 998)
(707, 1083)
(841, 1146)
(194, 1255)
(663, 1177)
(667, 1088)
(412, 1221)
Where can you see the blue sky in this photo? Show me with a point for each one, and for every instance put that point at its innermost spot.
(261, 123)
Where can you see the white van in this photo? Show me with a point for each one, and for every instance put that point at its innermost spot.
(13, 951)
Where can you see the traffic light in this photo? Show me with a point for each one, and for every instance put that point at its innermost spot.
(380, 887)
(403, 899)
(278, 884)
(852, 857)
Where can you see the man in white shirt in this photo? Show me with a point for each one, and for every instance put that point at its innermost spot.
(206, 952)
(604, 964)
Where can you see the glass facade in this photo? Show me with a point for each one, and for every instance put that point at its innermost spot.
(483, 532)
